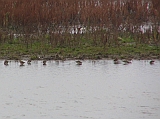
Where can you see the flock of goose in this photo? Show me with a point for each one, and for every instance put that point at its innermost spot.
(116, 61)
(6, 62)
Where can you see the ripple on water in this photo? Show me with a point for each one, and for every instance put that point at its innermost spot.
(95, 89)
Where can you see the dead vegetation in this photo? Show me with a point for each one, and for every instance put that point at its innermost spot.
(72, 23)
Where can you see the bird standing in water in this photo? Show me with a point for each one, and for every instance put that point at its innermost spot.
(127, 61)
(44, 62)
(152, 62)
(21, 63)
(79, 62)
(6, 62)
(116, 61)
(29, 62)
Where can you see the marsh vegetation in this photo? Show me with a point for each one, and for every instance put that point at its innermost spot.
(82, 29)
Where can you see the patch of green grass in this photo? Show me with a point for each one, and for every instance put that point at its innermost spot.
(78, 47)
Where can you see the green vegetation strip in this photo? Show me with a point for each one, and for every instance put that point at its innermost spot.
(17, 50)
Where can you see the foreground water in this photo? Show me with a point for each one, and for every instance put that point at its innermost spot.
(94, 90)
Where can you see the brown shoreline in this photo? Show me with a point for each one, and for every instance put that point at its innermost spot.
(83, 57)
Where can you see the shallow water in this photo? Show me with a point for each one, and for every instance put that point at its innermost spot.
(94, 90)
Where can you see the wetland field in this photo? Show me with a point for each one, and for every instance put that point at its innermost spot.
(91, 29)
(90, 59)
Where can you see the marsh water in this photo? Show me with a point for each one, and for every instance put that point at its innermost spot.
(94, 90)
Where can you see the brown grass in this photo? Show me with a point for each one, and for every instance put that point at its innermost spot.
(101, 18)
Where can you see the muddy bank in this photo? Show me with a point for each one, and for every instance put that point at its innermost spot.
(82, 57)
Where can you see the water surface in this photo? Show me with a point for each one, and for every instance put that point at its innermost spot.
(95, 90)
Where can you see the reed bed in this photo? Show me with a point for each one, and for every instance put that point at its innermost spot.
(45, 26)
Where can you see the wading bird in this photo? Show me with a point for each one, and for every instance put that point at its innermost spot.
(127, 62)
(116, 61)
(152, 62)
(6, 62)
(44, 62)
(21, 63)
(79, 62)
(29, 62)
